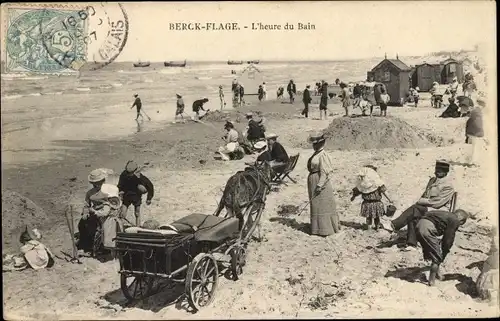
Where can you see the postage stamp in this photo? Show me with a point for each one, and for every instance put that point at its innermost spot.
(60, 38)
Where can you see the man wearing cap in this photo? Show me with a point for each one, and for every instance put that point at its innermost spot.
(437, 194)
(432, 225)
(231, 140)
(180, 108)
(138, 104)
(278, 154)
(306, 99)
(197, 106)
(254, 130)
(474, 133)
(132, 184)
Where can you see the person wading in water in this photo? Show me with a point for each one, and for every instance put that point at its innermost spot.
(137, 103)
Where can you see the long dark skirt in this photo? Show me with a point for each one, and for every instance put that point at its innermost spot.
(324, 217)
(428, 237)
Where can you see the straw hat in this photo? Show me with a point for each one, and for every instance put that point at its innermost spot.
(249, 114)
(271, 136)
(315, 138)
(260, 145)
(96, 175)
(368, 180)
(178, 95)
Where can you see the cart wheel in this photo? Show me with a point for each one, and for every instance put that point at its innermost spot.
(201, 281)
(135, 287)
(238, 261)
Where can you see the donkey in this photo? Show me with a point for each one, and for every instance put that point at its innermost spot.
(243, 189)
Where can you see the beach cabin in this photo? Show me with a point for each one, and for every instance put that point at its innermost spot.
(452, 68)
(425, 74)
(251, 77)
(395, 75)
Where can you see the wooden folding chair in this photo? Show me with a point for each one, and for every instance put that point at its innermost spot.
(287, 170)
(452, 203)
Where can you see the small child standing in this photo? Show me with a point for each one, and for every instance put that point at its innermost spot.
(371, 187)
(384, 100)
(416, 96)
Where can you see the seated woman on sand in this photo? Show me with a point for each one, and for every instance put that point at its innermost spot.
(231, 140)
(324, 217)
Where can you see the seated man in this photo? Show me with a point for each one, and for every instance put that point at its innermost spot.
(263, 154)
(277, 154)
(255, 130)
(432, 225)
(437, 194)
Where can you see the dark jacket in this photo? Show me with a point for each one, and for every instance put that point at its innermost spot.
(446, 224)
(474, 125)
(291, 88)
(128, 184)
(242, 91)
(357, 91)
(278, 153)
(255, 130)
(451, 112)
(137, 103)
(197, 105)
(265, 156)
(306, 98)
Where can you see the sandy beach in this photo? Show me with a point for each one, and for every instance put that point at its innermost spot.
(290, 274)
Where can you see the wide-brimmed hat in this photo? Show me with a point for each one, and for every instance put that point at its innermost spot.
(443, 165)
(271, 136)
(178, 95)
(135, 95)
(131, 166)
(417, 89)
(260, 145)
(315, 138)
(96, 175)
(249, 114)
(228, 124)
(435, 83)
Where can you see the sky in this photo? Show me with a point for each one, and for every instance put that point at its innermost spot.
(343, 30)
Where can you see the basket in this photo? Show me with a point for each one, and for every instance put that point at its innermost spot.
(390, 211)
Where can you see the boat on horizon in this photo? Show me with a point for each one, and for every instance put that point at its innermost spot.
(256, 62)
(175, 63)
(141, 64)
(235, 62)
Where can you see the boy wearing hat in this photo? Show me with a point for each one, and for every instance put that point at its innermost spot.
(138, 104)
(437, 194)
(306, 99)
(180, 108)
(432, 225)
(132, 184)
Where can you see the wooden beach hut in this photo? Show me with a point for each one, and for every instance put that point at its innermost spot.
(251, 77)
(425, 74)
(452, 68)
(395, 75)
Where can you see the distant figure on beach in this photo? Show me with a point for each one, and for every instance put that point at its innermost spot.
(132, 184)
(221, 97)
(474, 132)
(260, 93)
(236, 96)
(356, 92)
(180, 109)
(371, 187)
(437, 194)
(415, 95)
(292, 90)
(306, 99)
(197, 106)
(454, 87)
(241, 93)
(337, 81)
(384, 100)
(264, 88)
(231, 140)
(324, 216)
(452, 111)
(323, 103)
(435, 249)
(280, 92)
(434, 91)
(234, 84)
(138, 104)
(346, 98)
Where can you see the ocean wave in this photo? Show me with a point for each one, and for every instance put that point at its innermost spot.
(9, 97)
(117, 85)
(82, 89)
(203, 77)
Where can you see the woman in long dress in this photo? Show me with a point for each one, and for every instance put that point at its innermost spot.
(324, 218)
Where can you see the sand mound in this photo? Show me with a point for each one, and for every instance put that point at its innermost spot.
(218, 116)
(361, 133)
(18, 211)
